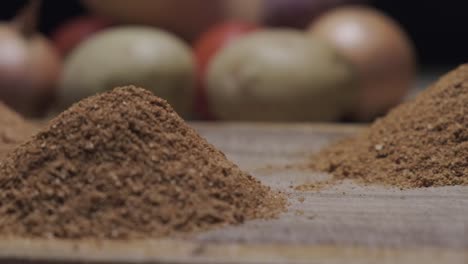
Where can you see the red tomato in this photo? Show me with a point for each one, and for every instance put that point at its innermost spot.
(70, 34)
(206, 47)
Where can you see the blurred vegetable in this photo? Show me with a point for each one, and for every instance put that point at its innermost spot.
(74, 31)
(380, 50)
(297, 13)
(29, 64)
(142, 56)
(186, 18)
(249, 11)
(206, 47)
(279, 75)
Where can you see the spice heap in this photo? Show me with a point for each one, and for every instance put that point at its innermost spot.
(421, 143)
(123, 165)
(13, 130)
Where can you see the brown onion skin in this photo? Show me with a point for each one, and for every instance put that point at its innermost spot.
(45, 69)
(380, 50)
(29, 71)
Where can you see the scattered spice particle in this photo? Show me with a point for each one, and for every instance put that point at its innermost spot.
(311, 217)
(299, 213)
(316, 186)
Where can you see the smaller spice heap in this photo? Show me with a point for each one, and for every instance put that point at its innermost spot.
(124, 165)
(13, 130)
(420, 143)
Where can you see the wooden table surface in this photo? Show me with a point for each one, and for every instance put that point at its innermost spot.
(345, 223)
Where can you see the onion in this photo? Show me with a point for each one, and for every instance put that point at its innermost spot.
(247, 11)
(380, 50)
(29, 64)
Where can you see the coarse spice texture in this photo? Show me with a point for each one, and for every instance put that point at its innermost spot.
(420, 143)
(124, 165)
(13, 130)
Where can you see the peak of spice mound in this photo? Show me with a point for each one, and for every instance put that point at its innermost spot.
(124, 165)
(421, 143)
(13, 129)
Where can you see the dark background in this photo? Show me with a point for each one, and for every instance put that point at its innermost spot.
(438, 28)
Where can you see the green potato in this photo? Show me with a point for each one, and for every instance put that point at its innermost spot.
(279, 75)
(132, 55)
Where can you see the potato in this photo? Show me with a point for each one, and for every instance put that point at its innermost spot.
(279, 75)
(142, 56)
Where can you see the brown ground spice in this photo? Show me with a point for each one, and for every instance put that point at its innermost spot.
(13, 130)
(421, 143)
(123, 165)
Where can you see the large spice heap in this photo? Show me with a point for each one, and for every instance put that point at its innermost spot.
(124, 165)
(421, 143)
(13, 130)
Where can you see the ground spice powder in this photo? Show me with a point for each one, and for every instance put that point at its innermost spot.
(13, 130)
(123, 165)
(421, 143)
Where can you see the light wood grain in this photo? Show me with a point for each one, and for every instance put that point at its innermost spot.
(173, 251)
(346, 223)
